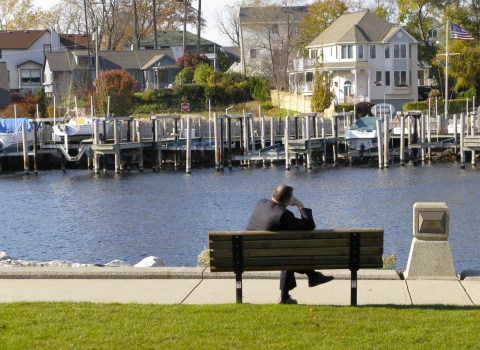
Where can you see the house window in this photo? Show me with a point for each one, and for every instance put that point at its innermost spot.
(400, 78)
(347, 52)
(387, 51)
(253, 53)
(360, 52)
(387, 78)
(400, 51)
(378, 78)
(30, 77)
(313, 53)
(373, 51)
(47, 48)
(309, 77)
(0, 54)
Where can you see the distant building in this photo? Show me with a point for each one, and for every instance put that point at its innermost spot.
(24, 51)
(173, 40)
(148, 68)
(266, 34)
(5, 96)
(368, 59)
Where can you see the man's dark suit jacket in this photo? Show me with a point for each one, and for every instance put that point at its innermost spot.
(268, 215)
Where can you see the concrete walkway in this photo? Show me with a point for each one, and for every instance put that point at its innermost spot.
(199, 286)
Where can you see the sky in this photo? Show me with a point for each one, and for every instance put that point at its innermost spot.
(209, 8)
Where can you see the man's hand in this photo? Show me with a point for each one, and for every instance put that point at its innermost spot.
(295, 202)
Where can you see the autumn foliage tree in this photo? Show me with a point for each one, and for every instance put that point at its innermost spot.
(321, 13)
(192, 60)
(118, 85)
(21, 107)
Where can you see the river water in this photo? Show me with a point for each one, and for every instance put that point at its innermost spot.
(80, 217)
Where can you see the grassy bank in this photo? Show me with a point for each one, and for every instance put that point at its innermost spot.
(133, 326)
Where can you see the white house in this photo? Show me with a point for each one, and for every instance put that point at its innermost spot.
(368, 59)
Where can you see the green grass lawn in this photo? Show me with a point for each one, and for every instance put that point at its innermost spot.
(135, 326)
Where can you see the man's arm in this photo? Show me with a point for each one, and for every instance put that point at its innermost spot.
(290, 222)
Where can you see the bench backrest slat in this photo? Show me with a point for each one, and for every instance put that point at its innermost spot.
(295, 250)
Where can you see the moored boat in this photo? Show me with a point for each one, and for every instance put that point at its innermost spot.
(80, 128)
(11, 134)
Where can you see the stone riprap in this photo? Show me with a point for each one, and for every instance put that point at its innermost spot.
(6, 260)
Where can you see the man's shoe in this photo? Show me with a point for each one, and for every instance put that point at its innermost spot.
(288, 300)
(319, 279)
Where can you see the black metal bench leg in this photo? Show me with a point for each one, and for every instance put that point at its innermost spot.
(238, 281)
(354, 265)
(353, 293)
(237, 248)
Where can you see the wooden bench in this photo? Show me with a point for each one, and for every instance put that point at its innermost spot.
(239, 251)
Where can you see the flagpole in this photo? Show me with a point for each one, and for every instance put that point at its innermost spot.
(446, 70)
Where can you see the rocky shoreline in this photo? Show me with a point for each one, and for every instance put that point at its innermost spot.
(6, 260)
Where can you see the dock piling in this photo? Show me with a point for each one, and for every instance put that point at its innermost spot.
(188, 162)
(26, 166)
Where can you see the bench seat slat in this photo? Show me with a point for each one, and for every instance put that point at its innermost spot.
(287, 252)
(291, 263)
(295, 243)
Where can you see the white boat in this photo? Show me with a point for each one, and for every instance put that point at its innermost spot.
(451, 128)
(79, 128)
(11, 138)
(362, 135)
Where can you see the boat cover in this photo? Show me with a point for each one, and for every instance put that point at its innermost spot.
(8, 125)
(365, 124)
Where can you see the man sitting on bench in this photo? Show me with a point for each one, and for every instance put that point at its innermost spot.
(273, 215)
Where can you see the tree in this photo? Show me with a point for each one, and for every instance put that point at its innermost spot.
(203, 74)
(228, 22)
(321, 14)
(118, 85)
(19, 14)
(192, 60)
(272, 32)
(223, 62)
(322, 95)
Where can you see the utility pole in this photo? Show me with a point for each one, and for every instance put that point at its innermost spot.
(154, 25)
(199, 24)
(184, 26)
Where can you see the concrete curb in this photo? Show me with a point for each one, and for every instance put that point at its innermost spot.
(166, 273)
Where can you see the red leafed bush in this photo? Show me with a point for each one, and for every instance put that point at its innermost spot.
(118, 84)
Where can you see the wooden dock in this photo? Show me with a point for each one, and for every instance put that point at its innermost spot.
(229, 139)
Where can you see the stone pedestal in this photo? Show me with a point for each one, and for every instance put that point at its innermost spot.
(430, 260)
(430, 254)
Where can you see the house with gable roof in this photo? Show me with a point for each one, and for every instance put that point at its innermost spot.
(5, 96)
(23, 52)
(173, 39)
(148, 68)
(368, 59)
